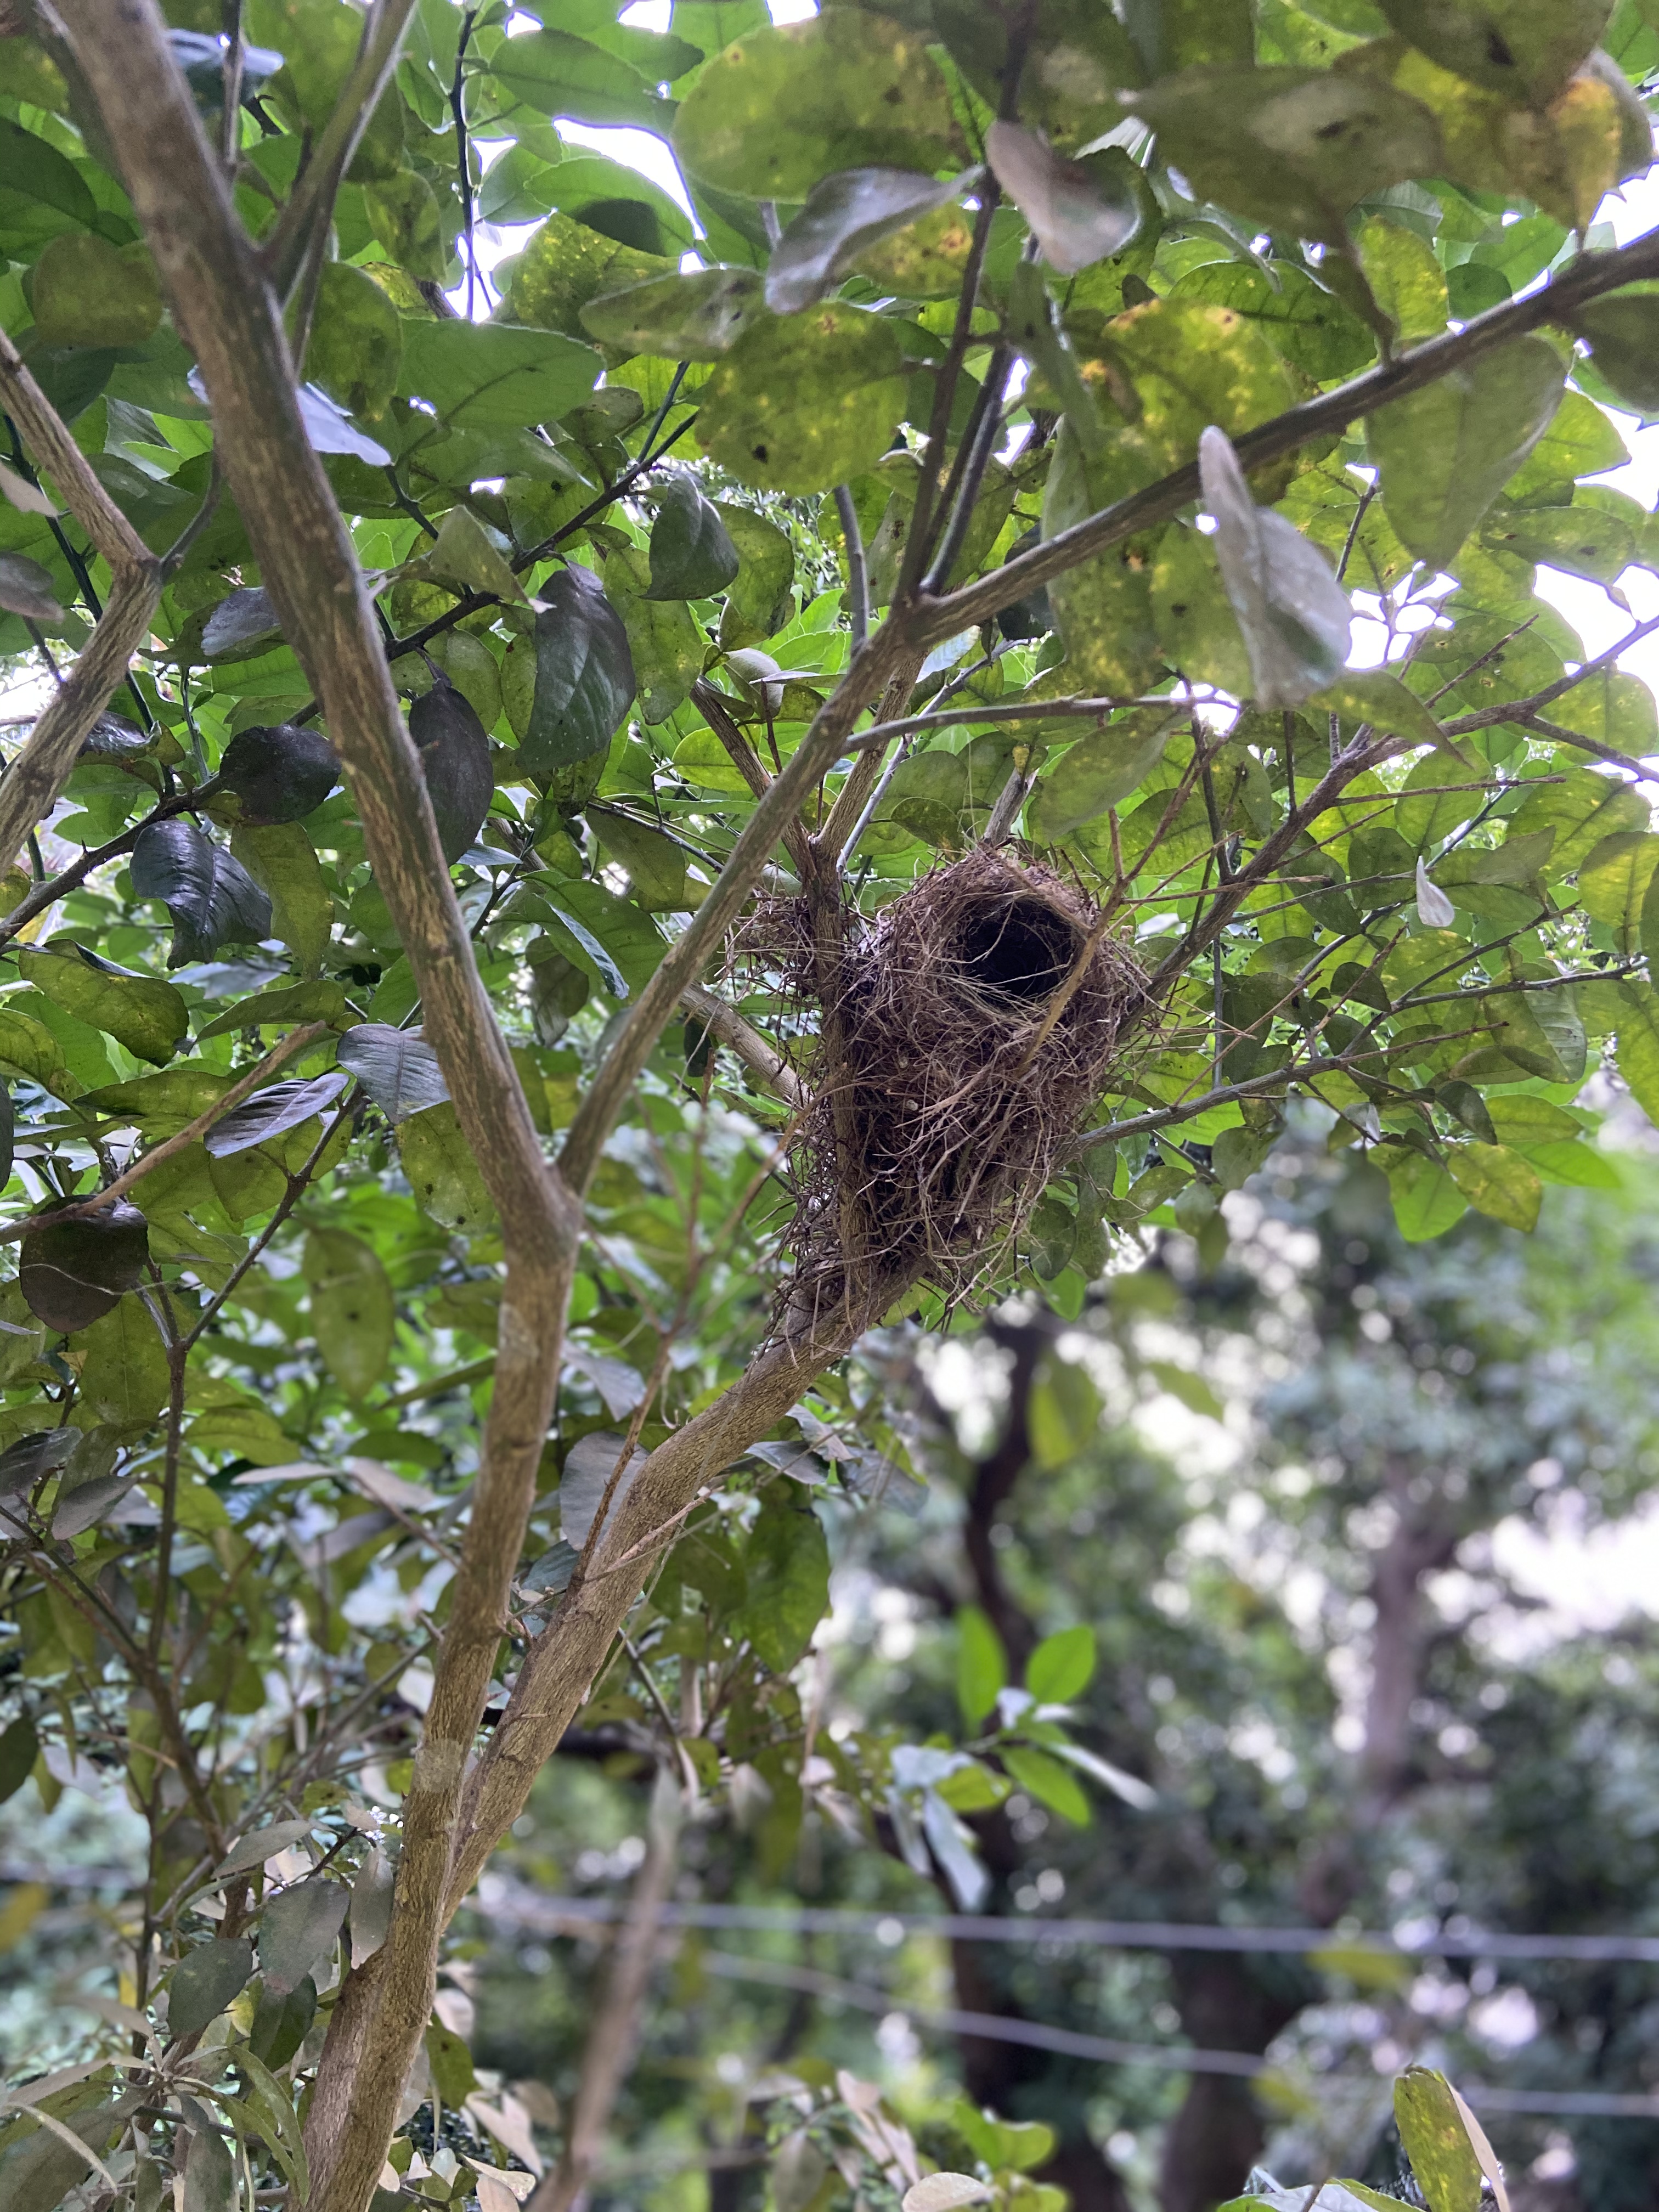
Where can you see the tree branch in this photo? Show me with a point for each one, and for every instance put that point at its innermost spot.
(1587, 279)
(226, 311)
(32, 784)
(726, 1022)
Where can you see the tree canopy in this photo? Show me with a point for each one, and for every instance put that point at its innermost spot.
(513, 738)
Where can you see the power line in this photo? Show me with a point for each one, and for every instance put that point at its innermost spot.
(1118, 1935)
(995, 2028)
(516, 1906)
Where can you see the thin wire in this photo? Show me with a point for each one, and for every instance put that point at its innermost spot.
(1104, 1934)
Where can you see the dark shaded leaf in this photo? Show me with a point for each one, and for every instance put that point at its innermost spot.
(844, 215)
(454, 751)
(260, 1845)
(691, 554)
(588, 1467)
(397, 1068)
(282, 2020)
(72, 1272)
(205, 1981)
(19, 1748)
(280, 772)
(22, 1464)
(26, 589)
(212, 899)
(1622, 332)
(278, 1107)
(297, 1930)
(1077, 216)
(585, 681)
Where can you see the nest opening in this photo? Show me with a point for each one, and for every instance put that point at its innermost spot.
(1021, 953)
(965, 1037)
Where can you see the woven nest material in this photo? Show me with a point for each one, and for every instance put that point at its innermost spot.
(941, 1100)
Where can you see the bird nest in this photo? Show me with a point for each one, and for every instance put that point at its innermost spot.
(964, 1040)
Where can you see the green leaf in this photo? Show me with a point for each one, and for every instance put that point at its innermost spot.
(981, 1664)
(1313, 331)
(463, 554)
(1497, 1182)
(692, 554)
(352, 1315)
(281, 2023)
(1293, 614)
(402, 210)
(555, 74)
(204, 1982)
(298, 1929)
(804, 401)
(281, 859)
(1048, 1782)
(1373, 695)
(356, 350)
(695, 314)
(272, 2108)
(442, 1172)
(1062, 1666)
(1292, 149)
(125, 1376)
(494, 376)
(1406, 280)
(1615, 879)
(284, 1008)
(845, 214)
(1435, 2140)
(73, 1273)
(1524, 49)
(1102, 608)
(585, 681)
(1427, 1200)
(1099, 771)
(146, 1016)
(771, 115)
(1582, 809)
(565, 263)
(787, 1575)
(89, 292)
(452, 2065)
(1442, 454)
(1639, 1044)
(758, 602)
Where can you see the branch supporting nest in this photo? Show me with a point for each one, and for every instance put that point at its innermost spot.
(967, 1036)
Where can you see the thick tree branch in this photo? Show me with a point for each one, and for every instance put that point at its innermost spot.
(32, 784)
(1587, 279)
(230, 315)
